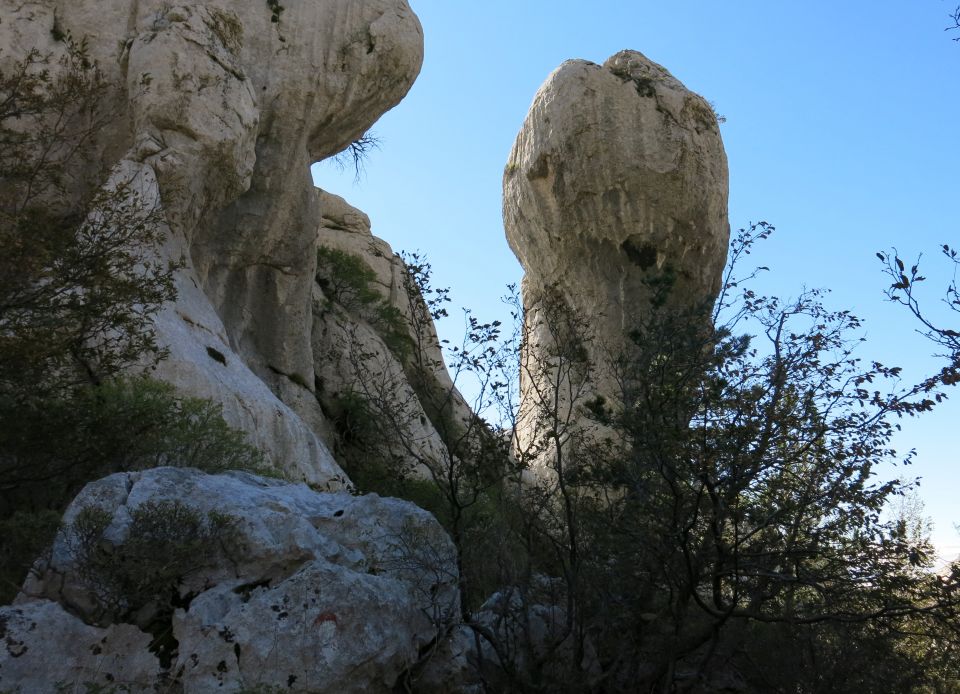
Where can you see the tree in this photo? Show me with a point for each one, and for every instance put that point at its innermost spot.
(726, 497)
(78, 277)
(79, 283)
(723, 499)
(903, 290)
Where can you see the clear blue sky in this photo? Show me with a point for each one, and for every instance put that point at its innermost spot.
(841, 131)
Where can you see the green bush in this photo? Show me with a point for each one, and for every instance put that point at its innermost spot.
(347, 280)
(166, 543)
(22, 539)
(51, 447)
(140, 580)
(78, 278)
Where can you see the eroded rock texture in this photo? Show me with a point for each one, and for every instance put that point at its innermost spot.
(220, 108)
(382, 348)
(299, 591)
(117, 655)
(618, 175)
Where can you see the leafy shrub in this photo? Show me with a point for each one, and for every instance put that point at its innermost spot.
(347, 280)
(22, 539)
(140, 581)
(166, 543)
(78, 278)
(50, 448)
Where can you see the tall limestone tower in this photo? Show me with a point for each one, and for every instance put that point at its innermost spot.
(617, 176)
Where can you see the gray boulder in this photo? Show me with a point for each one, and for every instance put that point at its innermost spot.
(85, 656)
(293, 589)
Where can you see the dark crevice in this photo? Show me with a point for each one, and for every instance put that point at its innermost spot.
(642, 255)
(292, 377)
(644, 85)
(245, 590)
(217, 355)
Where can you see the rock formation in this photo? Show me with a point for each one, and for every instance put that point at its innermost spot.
(617, 175)
(374, 339)
(219, 110)
(221, 107)
(304, 592)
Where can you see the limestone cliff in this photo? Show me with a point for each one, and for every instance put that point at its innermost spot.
(220, 108)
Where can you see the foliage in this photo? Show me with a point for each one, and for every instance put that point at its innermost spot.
(722, 495)
(24, 536)
(78, 279)
(734, 484)
(346, 279)
(406, 433)
(728, 482)
(50, 449)
(79, 284)
(140, 580)
(120, 425)
(903, 291)
(165, 543)
(361, 448)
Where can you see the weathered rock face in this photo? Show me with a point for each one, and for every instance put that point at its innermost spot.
(618, 175)
(221, 108)
(307, 592)
(386, 352)
(111, 656)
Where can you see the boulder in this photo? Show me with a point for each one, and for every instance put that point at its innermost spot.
(298, 590)
(617, 177)
(115, 658)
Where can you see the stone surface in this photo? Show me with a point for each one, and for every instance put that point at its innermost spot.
(348, 229)
(353, 356)
(200, 362)
(114, 657)
(357, 364)
(452, 666)
(525, 625)
(221, 107)
(617, 175)
(325, 591)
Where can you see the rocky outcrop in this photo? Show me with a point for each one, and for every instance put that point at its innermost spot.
(296, 590)
(220, 108)
(374, 339)
(174, 580)
(618, 176)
